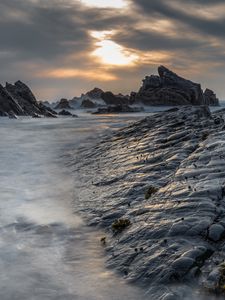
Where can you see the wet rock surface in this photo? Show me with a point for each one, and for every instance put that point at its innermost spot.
(176, 236)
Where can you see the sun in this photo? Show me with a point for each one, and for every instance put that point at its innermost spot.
(105, 3)
(112, 53)
(109, 52)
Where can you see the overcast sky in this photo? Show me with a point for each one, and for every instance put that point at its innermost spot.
(62, 48)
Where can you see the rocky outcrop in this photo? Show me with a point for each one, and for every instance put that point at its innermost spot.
(8, 103)
(99, 98)
(163, 179)
(66, 113)
(18, 99)
(63, 104)
(96, 93)
(210, 98)
(112, 99)
(170, 89)
(86, 103)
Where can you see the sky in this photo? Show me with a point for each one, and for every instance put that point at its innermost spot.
(62, 48)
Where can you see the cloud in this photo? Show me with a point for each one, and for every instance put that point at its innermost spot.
(46, 43)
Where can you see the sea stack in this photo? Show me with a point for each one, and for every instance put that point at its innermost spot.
(168, 88)
(18, 99)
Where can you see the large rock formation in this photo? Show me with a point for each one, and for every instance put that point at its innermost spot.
(112, 99)
(96, 93)
(87, 103)
(18, 99)
(210, 98)
(170, 89)
(63, 104)
(99, 98)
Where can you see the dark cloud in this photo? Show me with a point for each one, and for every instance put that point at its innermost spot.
(190, 17)
(40, 35)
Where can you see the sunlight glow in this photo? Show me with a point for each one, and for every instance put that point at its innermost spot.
(109, 52)
(105, 3)
(100, 75)
(113, 54)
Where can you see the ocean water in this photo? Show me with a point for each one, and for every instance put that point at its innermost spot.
(46, 250)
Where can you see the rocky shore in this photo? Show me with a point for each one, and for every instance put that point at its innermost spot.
(18, 100)
(165, 89)
(157, 188)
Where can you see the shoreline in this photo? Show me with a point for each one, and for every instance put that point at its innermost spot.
(171, 234)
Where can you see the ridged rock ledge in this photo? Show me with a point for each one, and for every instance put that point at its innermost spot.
(157, 188)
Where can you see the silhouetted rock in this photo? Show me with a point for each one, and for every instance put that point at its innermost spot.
(96, 93)
(11, 115)
(46, 110)
(210, 98)
(169, 89)
(18, 99)
(63, 104)
(111, 99)
(8, 103)
(67, 113)
(86, 103)
(36, 116)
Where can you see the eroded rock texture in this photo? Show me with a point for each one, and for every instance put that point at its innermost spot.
(175, 242)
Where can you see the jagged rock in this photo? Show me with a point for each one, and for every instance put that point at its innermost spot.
(11, 115)
(111, 99)
(36, 116)
(8, 103)
(18, 99)
(96, 93)
(63, 104)
(169, 89)
(49, 114)
(46, 111)
(210, 98)
(86, 103)
(46, 103)
(67, 113)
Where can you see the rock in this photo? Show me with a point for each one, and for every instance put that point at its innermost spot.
(170, 89)
(67, 113)
(86, 103)
(210, 98)
(63, 104)
(49, 114)
(3, 114)
(216, 232)
(36, 116)
(8, 103)
(19, 100)
(111, 99)
(96, 93)
(11, 115)
(46, 111)
(99, 98)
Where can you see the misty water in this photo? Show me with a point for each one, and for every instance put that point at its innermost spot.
(46, 250)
